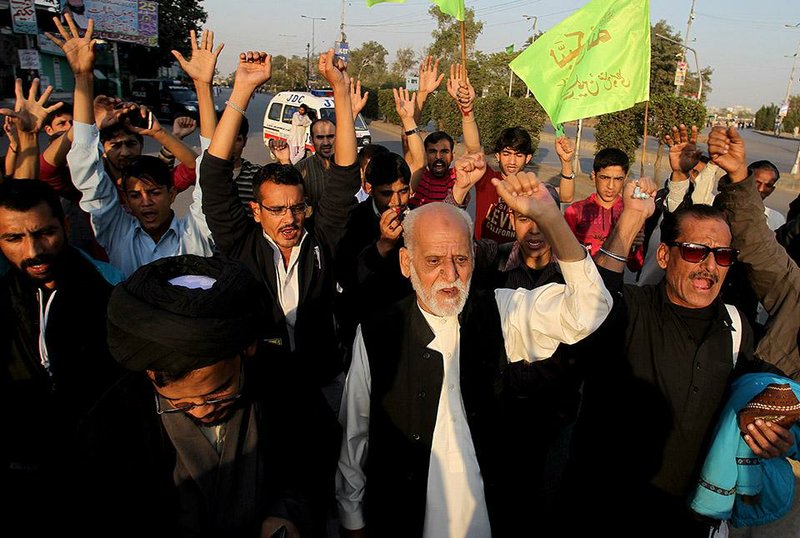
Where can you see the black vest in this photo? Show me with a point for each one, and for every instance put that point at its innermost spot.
(406, 383)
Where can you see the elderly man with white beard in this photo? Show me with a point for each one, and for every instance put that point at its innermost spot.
(423, 452)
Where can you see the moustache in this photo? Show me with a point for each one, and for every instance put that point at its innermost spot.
(37, 260)
(439, 162)
(713, 277)
(288, 227)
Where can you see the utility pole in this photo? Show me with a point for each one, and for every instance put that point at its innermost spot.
(533, 38)
(785, 105)
(313, 30)
(342, 37)
(308, 66)
(696, 62)
(686, 42)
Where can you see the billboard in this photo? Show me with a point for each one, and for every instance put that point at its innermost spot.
(131, 21)
(23, 16)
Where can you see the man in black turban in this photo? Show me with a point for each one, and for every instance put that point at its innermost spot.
(210, 439)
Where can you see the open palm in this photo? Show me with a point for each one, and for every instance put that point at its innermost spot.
(200, 67)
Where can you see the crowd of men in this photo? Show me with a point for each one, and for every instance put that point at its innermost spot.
(332, 342)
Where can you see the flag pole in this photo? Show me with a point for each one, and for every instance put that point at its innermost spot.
(644, 138)
(464, 46)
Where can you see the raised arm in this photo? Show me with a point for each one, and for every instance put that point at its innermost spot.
(334, 70)
(683, 156)
(470, 168)
(404, 104)
(165, 137)
(775, 278)
(200, 68)
(357, 100)
(28, 117)
(565, 149)
(429, 81)
(462, 92)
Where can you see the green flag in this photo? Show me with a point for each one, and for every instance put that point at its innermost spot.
(594, 62)
(454, 8)
(371, 3)
(510, 49)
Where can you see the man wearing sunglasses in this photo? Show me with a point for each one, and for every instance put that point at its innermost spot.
(205, 435)
(291, 257)
(670, 350)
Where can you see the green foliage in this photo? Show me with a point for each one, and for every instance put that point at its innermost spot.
(765, 117)
(447, 35)
(792, 119)
(372, 108)
(621, 130)
(386, 107)
(288, 74)
(667, 111)
(405, 62)
(368, 63)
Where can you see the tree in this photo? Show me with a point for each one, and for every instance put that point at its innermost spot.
(405, 61)
(691, 85)
(368, 63)
(175, 19)
(663, 58)
(447, 35)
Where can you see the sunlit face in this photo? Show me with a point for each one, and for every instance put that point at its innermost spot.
(695, 285)
(218, 381)
(60, 124)
(531, 240)
(283, 225)
(439, 156)
(151, 204)
(323, 136)
(765, 181)
(121, 149)
(608, 182)
(440, 264)
(699, 167)
(512, 161)
(32, 241)
(394, 195)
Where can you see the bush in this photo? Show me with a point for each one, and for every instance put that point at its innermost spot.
(386, 107)
(372, 108)
(621, 130)
(765, 117)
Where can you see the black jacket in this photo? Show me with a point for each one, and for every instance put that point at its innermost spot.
(316, 339)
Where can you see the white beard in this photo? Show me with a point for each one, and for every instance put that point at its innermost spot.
(442, 307)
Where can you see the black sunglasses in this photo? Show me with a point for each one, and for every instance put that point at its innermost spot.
(694, 253)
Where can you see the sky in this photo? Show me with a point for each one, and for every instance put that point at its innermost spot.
(744, 41)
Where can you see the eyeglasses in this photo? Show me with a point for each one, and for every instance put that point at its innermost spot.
(186, 407)
(280, 210)
(694, 253)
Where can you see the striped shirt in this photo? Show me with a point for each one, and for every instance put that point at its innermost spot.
(243, 177)
(432, 189)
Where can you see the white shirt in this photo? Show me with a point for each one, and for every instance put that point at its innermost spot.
(119, 233)
(774, 218)
(288, 283)
(534, 322)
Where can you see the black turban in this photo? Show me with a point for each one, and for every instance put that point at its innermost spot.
(156, 325)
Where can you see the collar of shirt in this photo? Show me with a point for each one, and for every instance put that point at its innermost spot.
(173, 227)
(277, 257)
(445, 330)
(375, 209)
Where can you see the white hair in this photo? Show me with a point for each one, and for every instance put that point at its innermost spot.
(409, 223)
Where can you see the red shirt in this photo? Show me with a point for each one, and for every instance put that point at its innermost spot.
(432, 189)
(591, 223)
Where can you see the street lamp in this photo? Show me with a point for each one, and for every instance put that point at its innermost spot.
(696, 63)
(533, 38)
(313, 21)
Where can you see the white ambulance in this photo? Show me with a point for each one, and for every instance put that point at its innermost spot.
(278, 117)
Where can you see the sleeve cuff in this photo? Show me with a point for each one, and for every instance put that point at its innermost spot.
(85, 134)
(580, 270)
(351, 520)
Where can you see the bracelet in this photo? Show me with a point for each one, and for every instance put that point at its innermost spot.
(412, 131)
(571, 176)
(237, 108)
(613, 256)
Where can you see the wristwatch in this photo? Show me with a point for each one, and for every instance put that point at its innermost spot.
(571, 176)
(412, 131)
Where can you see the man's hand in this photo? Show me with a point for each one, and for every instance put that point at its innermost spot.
(726, 149)
(200, 67)
(767, 439)
(429, 77)
(525, 194)
(470, 168)
(460, 89)
(639, 195)
(565, 148)
(683, 151)
(403, 103)
(183, 126)
(334, 70)
(391, 230)
(109, 111)
(11, 133)
(272, 524)
(255, 69)
(357, 100)
(78, 50)
(30, 113)
(280, 150)
(153, 128)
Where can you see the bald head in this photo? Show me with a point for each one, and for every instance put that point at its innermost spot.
(435, 215)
